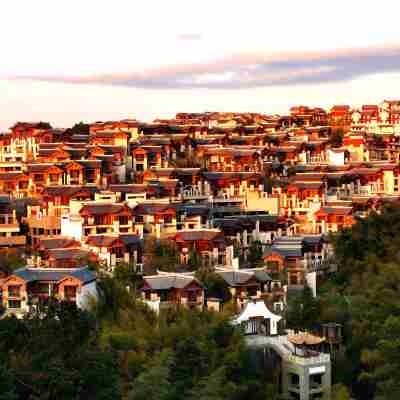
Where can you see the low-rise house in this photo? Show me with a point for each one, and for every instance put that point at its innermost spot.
(246, 284)
(155, 218)
(209, 244)
(10, 231)
(42, 246)
(145, 157)
(173, 290)
(28, 287)
(333, 219)
(112, 249)
(99, 218)
(15, 183)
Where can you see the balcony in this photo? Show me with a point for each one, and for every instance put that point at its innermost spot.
(316, 358)
(12, 241)
(44, 222)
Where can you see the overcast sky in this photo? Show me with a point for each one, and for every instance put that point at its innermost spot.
(66, 61)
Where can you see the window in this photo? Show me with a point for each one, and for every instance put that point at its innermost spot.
(14, 303)
(43, 288)
(53, 177)
(167, 219)
(119, 252)
(123, 220)
(14, 291)
(192, 296)
(69, 292)
(99, 220)
(39, 178)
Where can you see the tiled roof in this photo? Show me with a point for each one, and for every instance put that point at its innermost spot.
(57, 242)
(54, 275)
(128, 188)
(152, 208)
(103, 208)
(68, 253)
(337, 210)
(68, 190)
(165, 282)
(201, 234)
(235, 278)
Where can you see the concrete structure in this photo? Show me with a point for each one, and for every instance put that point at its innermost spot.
(305, 372)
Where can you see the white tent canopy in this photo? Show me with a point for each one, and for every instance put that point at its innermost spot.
(258, 309)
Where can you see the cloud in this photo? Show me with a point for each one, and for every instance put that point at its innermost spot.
(252, 70)
(190, 36)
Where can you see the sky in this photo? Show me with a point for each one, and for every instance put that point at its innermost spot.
(69, 61)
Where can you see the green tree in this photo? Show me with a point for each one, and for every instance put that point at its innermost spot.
(364, 295)
(53, 355)
(129, 276)
(213, 387)
(10, 262)
(340, 392)
(79, 129)
(255, 253)
(303, 311)
(154, 383)
(336, 137)
(214, 285)
(194, 261)
(7, 383)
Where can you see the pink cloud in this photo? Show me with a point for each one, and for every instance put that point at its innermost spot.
(247, 70)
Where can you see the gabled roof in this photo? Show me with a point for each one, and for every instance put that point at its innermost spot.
(58, 242)
(152, 208)
(193, 235)
(68, 253)
(238, 278)
(254, 309)
(54, 275)
(68, 190)
(170, 281)
(336, 210)
(128, 188)
(104, 208)
(284, 252)
(103, 240)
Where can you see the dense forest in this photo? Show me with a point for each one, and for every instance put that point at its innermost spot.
(363, 296)
(122, 350)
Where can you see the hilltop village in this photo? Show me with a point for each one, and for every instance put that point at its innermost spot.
(252, 199)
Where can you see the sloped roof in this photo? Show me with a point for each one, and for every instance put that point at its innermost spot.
(152, 208)
(336, 210)
(128, 188)
(305, 339)
(104, 208)
(54, 275)
(68, 253)
(199, 234)
(164, 282)
(57, 242)
(237, 278)
(254, 309)
(68, 190)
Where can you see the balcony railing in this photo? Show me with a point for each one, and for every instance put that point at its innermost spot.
(317, 359)
(12, 241)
